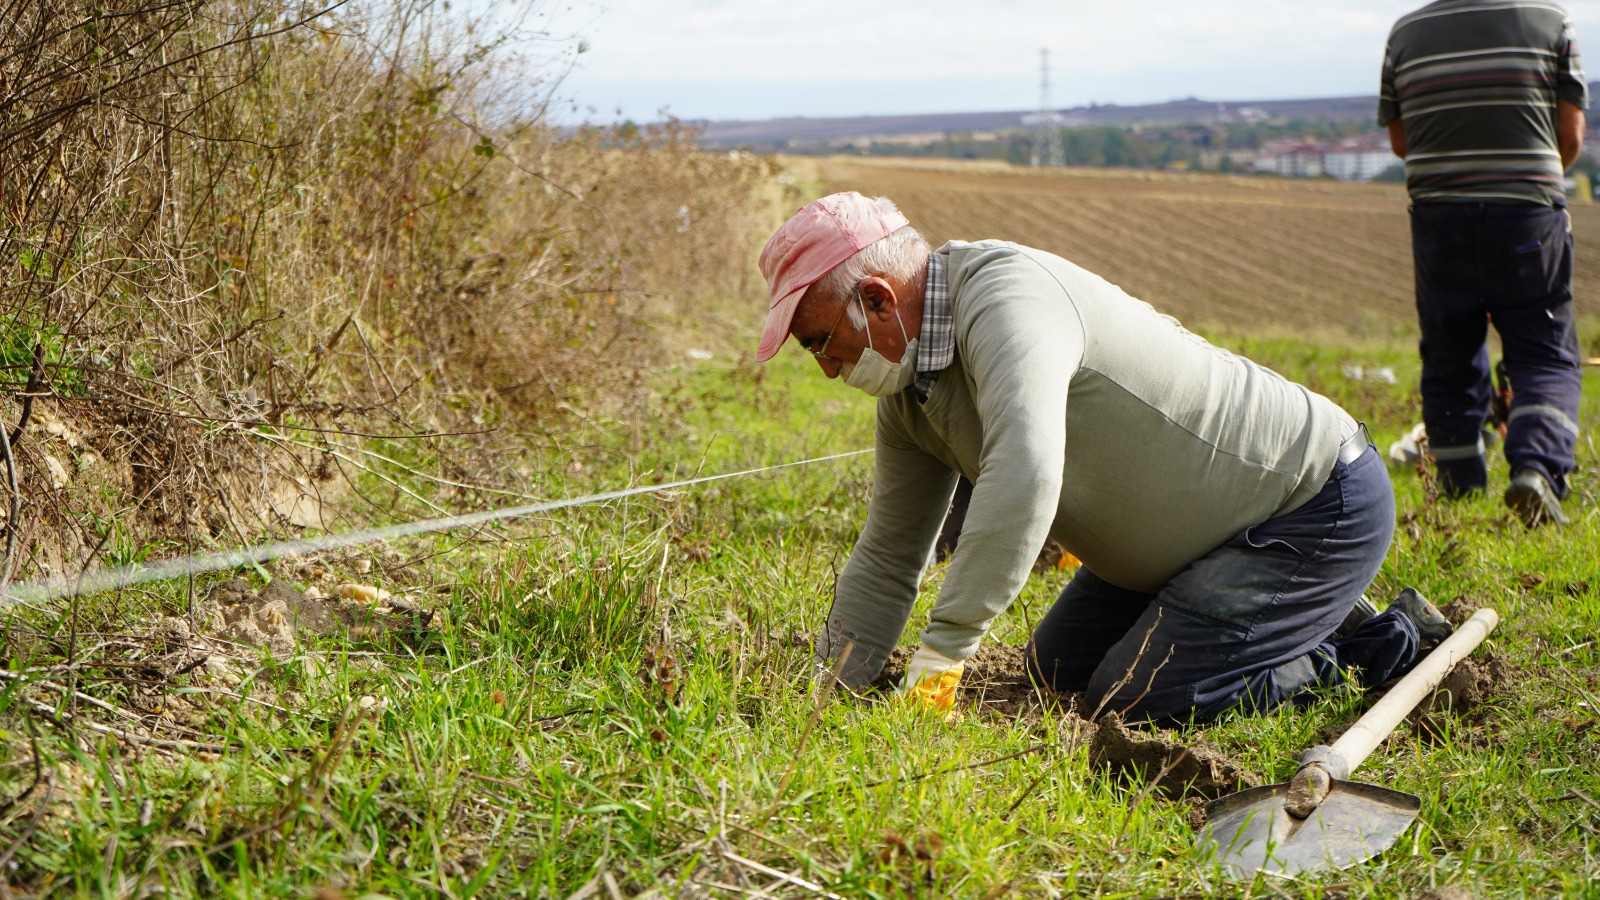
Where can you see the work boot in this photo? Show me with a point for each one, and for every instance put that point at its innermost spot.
(1534, 501)
(1454, 485)
(1432, 626)
(1356, 617)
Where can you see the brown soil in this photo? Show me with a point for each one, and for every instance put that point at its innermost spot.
(1307, 255)
(278, 617)
(1177, 770)
(1473, 682)
(895, 669)
(996, 683)
(1459, 610)
(1462, 694)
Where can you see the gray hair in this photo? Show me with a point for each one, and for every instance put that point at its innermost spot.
(892, 257)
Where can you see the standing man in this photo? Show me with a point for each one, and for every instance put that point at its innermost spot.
(1228, 520)
(1484, 101)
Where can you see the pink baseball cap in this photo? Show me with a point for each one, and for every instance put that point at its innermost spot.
(823, 234)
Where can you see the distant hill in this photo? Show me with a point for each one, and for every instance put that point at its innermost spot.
(772, 134)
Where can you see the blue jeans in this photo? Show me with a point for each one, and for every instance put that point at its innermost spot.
(1510, 265)
(1249, 624)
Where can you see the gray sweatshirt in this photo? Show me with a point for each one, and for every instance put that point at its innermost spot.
(1080, 413)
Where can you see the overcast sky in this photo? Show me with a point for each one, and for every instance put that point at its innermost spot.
(761, 59)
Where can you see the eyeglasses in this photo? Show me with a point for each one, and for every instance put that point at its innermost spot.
(822, 351)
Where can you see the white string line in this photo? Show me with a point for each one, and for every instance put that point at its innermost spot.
(28, 593)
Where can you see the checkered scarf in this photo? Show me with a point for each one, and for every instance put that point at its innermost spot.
(936, 345)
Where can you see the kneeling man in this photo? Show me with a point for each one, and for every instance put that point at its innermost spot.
(1228, 519)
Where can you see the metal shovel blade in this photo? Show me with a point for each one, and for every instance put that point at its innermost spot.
(1249, 832)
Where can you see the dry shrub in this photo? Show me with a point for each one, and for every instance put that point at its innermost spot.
(245, 237)
(536, 311)
(682, 216)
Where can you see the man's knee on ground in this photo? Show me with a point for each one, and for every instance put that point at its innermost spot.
(1138, 704)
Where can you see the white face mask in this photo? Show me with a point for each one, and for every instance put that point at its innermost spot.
(877, 376)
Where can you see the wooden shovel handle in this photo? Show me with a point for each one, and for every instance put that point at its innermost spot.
(1370, 730)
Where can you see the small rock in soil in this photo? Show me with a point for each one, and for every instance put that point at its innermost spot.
(278, 616)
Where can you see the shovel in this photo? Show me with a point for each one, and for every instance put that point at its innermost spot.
(1319, 820)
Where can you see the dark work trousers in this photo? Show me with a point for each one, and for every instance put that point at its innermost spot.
(1510, 265)
(1247, 625)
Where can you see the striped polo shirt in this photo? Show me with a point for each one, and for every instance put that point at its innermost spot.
(1476, 83)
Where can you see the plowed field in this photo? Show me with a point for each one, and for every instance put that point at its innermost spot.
(1243, 254)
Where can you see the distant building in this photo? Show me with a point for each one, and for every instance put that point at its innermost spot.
(1238, 160)
(1359, 158)
(1291, 158)
(1060, 119)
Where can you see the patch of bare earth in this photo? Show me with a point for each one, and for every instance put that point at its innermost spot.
(1466, 688)
(1177, 770)
(278, 616)
(160, 683)
(995, 684)
(1211, 250)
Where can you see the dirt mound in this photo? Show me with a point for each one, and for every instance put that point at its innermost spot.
(1473, 681)
(888, 681)
(1461, 696)
(1459, 610)
(995, 681)
(1178, 770)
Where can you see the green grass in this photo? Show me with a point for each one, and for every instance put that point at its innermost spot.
(618, 703)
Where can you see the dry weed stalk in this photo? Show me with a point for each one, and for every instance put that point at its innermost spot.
(242, 227)
(272, 263)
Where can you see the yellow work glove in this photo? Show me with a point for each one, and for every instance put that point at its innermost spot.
(931, 680)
